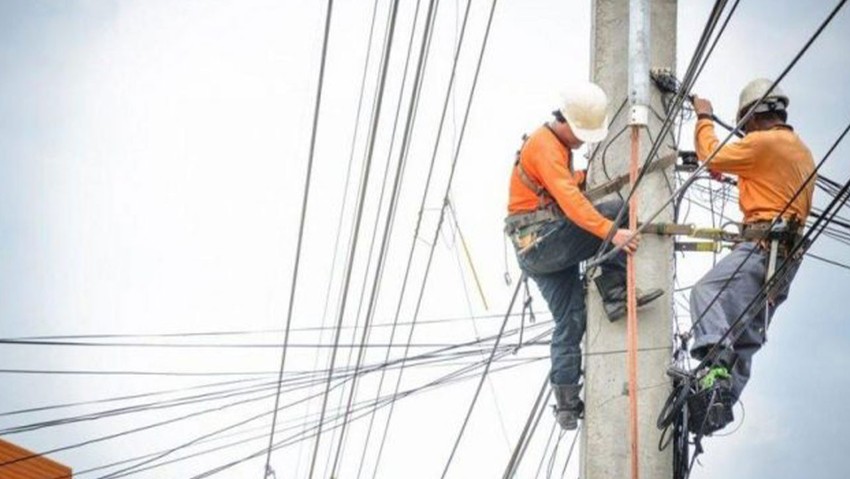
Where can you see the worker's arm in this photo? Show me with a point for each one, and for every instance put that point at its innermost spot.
(737, 158)
(549, 161)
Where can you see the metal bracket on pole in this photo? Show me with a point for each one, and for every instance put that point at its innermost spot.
(699, 246)
(639, 51)
(639, 115)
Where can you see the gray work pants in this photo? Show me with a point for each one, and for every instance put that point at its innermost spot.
(712, 317)
(554, 265)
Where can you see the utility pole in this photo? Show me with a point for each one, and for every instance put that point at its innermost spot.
(622, 53)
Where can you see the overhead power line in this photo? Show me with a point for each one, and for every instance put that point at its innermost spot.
(600, 258)
(302, 221)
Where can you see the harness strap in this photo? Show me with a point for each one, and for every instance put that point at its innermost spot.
(518, 221)
(543, 196)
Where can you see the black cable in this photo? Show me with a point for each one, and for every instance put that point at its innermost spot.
(717, 38)
(483, 377)
(452, 377)
(358, 216)
(357, 345)
(570, 453)
(302, 221)
(118, 398)
(150, 426)
(677, 104)
(448, 185)
(778, 217)
(744, 119)
(417, 80)
(347, 183)
(244, 332)
(198, 439)
(361, 190)
(546, 449)
(424, 53)
(145, 407)
(527, 430)
(613, 119)
(448, 379)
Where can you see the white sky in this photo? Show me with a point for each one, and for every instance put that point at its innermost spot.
(152, 159)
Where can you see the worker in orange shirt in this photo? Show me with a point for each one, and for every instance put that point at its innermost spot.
(772, 163)
(554, 227)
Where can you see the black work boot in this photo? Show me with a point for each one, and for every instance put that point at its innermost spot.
(612, 287)
(711, 407)
(570, 407)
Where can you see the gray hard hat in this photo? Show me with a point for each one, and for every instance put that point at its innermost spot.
(775, 101)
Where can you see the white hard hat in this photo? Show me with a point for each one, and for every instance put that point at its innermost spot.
(585, 109)
(775, 101)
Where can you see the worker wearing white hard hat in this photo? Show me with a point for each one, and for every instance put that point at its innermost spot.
(554, 228)
(585, 110)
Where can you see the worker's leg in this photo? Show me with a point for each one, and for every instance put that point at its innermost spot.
(719, 301)
(609, 209)
(611, 282)
(564, 293)
(565, 244)
(716, 301)
(751, 337)
(722, 295)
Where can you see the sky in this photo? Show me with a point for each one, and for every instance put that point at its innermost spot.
(152, 164)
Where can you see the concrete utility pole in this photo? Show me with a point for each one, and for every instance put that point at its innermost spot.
(617, 50)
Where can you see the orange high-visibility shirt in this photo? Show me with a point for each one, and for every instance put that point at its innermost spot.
(771, 166)
(548, 162)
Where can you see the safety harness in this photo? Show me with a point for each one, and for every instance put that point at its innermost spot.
(523, 228)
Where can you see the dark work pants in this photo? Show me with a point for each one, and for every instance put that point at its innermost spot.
(554, 266)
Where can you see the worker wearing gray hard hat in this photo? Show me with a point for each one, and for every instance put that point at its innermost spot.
(773, 165)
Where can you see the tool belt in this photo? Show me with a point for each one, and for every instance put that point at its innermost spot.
(523, 228)
(786, 234)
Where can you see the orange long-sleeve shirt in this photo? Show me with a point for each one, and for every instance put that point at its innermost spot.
(771, 166)
(549, 162)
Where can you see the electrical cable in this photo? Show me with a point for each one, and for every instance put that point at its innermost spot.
(458, 375)
(445, 196)
(302, 221)
(149, 426)
(679, 98)
(483, 377)
(418, 76)
(349, 168)
(525, 436)
(788, 204)
(744, 119)
(358, 217)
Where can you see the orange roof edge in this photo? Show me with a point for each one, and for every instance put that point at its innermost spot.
(25, 467)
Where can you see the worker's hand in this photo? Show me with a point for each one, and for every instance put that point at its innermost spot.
(581, 175)
(702, 106)
(715, 175)
(621, 238)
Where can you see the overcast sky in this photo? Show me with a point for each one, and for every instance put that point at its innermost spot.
(152, 164)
